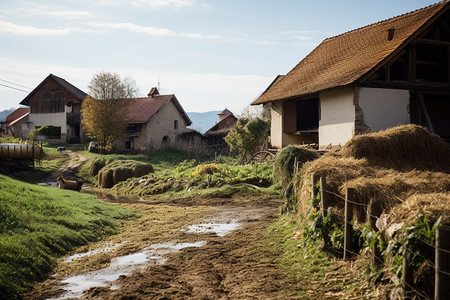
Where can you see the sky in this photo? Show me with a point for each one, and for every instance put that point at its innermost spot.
(211, 54)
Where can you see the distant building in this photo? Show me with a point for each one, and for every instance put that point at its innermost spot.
(56, 102)
(216, 134)
(17, 123)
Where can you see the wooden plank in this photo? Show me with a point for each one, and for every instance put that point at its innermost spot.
(348, 232)
(407, 280)
(424, 111)
(442, 264)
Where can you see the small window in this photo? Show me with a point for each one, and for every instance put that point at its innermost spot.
(175, 124)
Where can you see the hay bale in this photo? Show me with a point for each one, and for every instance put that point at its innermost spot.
(95, 166)
(404, 147)
(121, 174)
(384, 168)
(106, 178)
(121, 170)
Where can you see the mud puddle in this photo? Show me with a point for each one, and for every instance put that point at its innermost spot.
(221, 224)
(120, 266)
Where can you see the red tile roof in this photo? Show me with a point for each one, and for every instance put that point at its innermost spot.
(344, 59)
(16, 115)
(141, 110)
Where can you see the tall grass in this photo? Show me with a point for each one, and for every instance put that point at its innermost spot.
(39, 224)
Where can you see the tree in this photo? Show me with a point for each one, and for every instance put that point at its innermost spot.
(247, 135)
(102, 110)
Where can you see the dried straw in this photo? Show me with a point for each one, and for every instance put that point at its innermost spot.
(384, 168)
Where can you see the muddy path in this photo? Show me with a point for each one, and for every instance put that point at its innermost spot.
(176, 250)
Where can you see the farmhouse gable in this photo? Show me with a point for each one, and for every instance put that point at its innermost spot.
(385, 74)
(56, 102)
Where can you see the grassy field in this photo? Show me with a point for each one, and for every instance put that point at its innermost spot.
(39, 224)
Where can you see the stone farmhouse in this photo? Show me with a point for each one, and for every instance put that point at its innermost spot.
(56, 102)
(155, 122)
(389, 73)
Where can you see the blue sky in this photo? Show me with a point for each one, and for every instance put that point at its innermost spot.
(211, 54)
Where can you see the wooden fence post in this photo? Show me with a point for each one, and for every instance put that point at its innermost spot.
(314, 184)
(323, 196)
(407, 280)
(348, 233)
(442, 264)
(324, 207)
(373, 212)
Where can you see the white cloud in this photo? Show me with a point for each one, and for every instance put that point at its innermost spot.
(31, 30)
(28, 10)
(157, 4)
(154, 31)
(302, 37)
(200, 36)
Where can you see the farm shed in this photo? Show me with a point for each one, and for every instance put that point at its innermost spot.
(56, 102)
(372, 78)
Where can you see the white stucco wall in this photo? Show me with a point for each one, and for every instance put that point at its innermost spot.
(278, 138)
(162, 124)
(337, 117)
(384, 108)
(276, 126)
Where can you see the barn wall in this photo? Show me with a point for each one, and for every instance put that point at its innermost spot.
(337, 117)
(384, 108)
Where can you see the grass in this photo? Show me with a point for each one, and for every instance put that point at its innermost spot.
(39, 224)
(301, 261)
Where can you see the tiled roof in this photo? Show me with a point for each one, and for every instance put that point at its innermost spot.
(225, 112)
(68, 86)
(16, 115)
(141, 110)
(224, 125)
(344, 59)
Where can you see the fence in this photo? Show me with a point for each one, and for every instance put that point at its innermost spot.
(441, 262)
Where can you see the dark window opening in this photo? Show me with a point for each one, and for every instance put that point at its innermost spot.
(175, 124)
(308, 114)
(431, 63)
(132, 128)
(127, 144)
(399, 70)
(301, 115)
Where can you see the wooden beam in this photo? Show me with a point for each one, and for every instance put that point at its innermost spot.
(433, 42)
(424, 111)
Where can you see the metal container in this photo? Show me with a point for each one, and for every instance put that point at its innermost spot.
(20, 151)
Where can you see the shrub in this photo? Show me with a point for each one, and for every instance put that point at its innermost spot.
(283, 169)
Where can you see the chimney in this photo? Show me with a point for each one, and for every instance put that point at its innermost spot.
(153, 92)
(391, 34)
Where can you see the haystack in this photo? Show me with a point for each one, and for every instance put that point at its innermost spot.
(404, 147)
(121, 170)
(384, 168)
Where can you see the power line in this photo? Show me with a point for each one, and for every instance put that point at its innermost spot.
(13, 88)
(15, 84)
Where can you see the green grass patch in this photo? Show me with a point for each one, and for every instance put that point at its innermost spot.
(39, 224)
(302, 261)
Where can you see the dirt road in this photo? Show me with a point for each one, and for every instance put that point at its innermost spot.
(205, 249)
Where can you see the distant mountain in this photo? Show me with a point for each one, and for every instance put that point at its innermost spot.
(202, 121)
(5, 113)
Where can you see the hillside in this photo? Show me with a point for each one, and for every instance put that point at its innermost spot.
(202, 121)
(5, 113)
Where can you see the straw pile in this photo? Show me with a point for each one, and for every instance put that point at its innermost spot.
(384, 168)
(405, 147)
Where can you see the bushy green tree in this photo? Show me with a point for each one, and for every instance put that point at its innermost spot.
(247, 136)
(102, 110)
